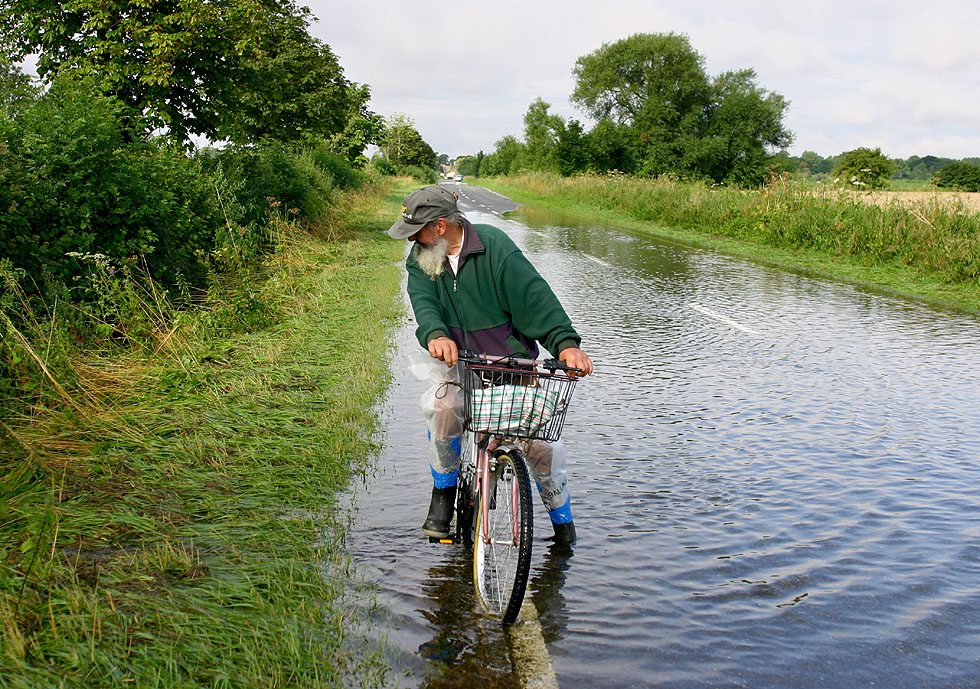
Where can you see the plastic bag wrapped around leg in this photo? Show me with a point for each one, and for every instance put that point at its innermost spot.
(548, 465)
(442, 404)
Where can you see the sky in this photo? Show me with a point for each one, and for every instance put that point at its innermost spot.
(902, 75)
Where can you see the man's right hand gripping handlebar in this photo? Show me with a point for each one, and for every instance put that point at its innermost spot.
(444, 349)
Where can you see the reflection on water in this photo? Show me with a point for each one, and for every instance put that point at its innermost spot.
(785, 496)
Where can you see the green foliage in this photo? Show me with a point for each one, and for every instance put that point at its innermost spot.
(744, 123)
(657, 86)
(505, 160)
(571, 152)
(294, 89)
(469, 166)
(657, 112)
(284, 181)
(402, 144)
(383, 165)
(863, 168)
(940, 243)
(73, 180)
(16, 89)
(540, 136)
(233, 69)
(611, 147)
(962, 176)
(427, 175)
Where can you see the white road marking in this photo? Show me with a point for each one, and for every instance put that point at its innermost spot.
(528, 652)
(724, 319)
(597, 260)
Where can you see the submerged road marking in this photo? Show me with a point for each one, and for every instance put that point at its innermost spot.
(724, 319)
(597, 260)
(528, 652)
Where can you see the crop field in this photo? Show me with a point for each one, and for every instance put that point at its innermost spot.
(968, 201)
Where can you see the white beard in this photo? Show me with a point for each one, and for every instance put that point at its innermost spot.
(432, 259)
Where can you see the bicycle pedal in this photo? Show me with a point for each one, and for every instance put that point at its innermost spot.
(446, 541)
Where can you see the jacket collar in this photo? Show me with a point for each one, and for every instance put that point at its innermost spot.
(472, 244)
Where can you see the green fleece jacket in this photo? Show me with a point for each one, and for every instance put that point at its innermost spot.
(496, 304)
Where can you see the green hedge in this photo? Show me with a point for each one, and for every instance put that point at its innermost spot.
(73, 179)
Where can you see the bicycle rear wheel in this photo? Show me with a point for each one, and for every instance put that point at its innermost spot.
(502, 546)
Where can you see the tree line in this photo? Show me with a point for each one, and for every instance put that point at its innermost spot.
(658, 112)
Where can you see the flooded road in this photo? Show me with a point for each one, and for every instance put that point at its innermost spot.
(775, 481)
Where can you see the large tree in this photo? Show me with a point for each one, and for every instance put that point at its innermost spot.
(235, 69)
(653, 83)
(652, 92)
(541, 130)
(402, 144)
(744, 127)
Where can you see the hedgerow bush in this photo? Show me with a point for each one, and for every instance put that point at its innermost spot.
(74, 179)
(275, 178)
(959, 175)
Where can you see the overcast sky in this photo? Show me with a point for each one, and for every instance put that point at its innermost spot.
(903, 75)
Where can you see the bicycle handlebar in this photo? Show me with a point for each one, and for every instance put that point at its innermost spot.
(471, 357)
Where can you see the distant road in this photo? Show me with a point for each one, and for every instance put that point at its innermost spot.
(478, 198)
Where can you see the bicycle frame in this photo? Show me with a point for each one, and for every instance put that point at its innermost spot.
(482, 446)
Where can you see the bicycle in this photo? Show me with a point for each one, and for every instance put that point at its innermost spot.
(506, 401)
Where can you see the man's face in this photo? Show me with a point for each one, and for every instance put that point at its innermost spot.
(428, 235)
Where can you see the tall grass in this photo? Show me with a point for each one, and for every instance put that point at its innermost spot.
(939, 241)
(166, 515)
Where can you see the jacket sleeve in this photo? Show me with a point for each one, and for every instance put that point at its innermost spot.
(534, 309)
(425, 304)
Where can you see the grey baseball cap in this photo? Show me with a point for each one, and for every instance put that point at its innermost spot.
(422, 206)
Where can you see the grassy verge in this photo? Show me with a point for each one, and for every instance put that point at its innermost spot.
(178, 528)
(929, 252)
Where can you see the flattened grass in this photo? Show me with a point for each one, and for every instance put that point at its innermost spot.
(183, 532)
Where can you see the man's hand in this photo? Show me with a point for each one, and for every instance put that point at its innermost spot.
(574, 357)
(444, 349)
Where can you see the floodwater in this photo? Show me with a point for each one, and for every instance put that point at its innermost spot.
(775, 480)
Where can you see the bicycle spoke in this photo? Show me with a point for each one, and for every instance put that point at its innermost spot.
(502, 549)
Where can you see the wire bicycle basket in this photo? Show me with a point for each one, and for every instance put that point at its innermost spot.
(516, 403)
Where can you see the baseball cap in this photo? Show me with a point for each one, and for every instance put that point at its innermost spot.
(422, 206)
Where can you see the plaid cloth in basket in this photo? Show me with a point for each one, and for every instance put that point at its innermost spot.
(512, 409)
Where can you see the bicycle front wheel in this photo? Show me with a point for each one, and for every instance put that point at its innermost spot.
(502, 539)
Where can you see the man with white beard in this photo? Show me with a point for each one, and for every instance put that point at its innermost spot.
(472, 288)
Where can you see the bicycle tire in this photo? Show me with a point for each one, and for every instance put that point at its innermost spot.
(464, 510)
(502, 565)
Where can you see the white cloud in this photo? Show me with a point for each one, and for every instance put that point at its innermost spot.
(897, 74)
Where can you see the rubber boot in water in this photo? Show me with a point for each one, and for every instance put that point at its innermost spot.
(440, 512)
(565, 533)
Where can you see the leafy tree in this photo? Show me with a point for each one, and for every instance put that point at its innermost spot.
(293, 89)
(540, 135)
(571, 154)
(655, 84)
(815, 164)
(469, 166)
(72, 181)
(961, 175)
(864, 168)
(653, 91)
(237, 69)
(506, 158)
(610, 147)
(745, 123)
(402, 144)
(16, 88)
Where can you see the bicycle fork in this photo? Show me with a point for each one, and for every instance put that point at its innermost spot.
(486, 469)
